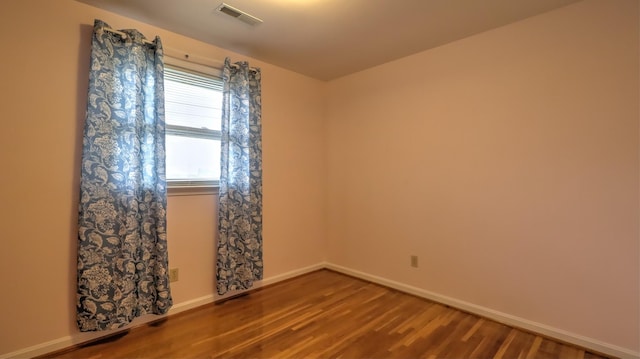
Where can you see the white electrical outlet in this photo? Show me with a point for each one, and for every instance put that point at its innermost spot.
(414, 261)
(173, 275)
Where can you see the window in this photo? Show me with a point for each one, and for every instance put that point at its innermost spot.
(193, 109)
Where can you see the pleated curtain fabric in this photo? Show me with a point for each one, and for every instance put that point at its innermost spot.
(122, 244)
(239, 251)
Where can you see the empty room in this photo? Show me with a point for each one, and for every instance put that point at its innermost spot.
(320, 179)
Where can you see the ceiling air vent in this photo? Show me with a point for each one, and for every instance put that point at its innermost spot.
(239, 14)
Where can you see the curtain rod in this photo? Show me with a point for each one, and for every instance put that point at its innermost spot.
(185, 56)
(125, 35)
(176, 54)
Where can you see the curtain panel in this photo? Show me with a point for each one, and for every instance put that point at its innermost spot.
(122, 244)
(239, 251)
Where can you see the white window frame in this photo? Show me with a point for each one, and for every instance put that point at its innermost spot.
(192, 187)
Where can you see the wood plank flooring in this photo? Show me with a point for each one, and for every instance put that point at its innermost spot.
(325, 315)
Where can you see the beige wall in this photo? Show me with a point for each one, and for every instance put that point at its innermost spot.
(508, 162)
(43, 83)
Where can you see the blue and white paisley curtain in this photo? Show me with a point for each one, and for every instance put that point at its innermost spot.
(122, 244)
(239, 255)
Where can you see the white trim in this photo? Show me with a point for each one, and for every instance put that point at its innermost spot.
(511, 320)
(40, 349)
(272, 280)
(292, 274)
(173, 191)
(508, 319)
(190, 62)
(78, 338)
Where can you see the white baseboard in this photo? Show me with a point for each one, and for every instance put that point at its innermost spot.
(78, 338)
(292, 274)
(589, 343)
(511, 320)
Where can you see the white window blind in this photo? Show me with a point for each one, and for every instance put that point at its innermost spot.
(193, 106)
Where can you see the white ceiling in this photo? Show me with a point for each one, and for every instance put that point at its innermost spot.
(326, 39)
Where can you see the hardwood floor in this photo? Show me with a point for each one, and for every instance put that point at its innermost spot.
(325, 315)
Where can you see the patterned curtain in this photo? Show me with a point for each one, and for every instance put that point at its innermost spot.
(239, 256)
(122, 245)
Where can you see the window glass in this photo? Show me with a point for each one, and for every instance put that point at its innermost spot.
(193, 107)
(193, 159)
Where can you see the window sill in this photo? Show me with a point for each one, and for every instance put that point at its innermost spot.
(191, 190)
